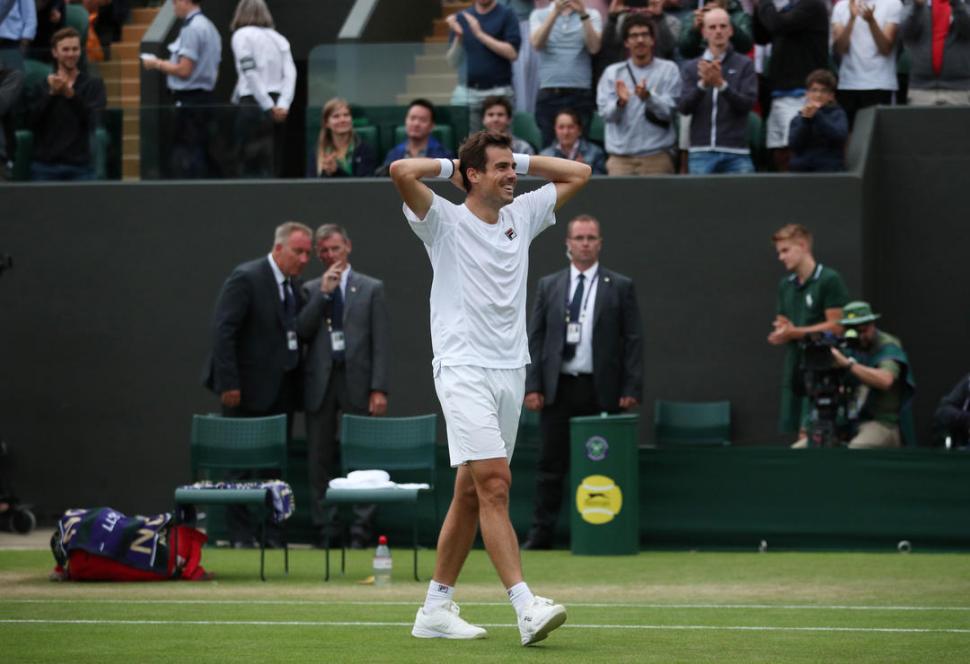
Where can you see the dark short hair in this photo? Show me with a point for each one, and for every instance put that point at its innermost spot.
(62, 34)
(571, 113)
(422, 102)
(822, 77)
(642, 20)
(473, 153)
(497, 100)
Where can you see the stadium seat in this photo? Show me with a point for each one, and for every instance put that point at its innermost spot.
(524, 126)
(235, 443)
(362, 126)
(442, 132)
(391, 444)
(24, 153)
(597, 130)
(76, 16)
(756, 140)
(686, 423)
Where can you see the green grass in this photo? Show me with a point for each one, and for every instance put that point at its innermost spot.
(655, 607)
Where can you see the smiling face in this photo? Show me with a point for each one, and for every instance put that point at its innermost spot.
(339, 121)
(496, 184)
(567, 130)
(496, 119)
(418, 123)
(67, 53)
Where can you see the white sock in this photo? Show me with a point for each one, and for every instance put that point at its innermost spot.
(438, 595)
(521, 596)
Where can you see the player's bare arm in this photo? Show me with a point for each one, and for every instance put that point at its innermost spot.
(569, 176)
(407, 175)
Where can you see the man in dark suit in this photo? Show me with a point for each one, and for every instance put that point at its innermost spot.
(255, 363)
(345, 324)
(587, 357)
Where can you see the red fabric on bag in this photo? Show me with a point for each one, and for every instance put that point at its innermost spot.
(84, 566)
(941, 25)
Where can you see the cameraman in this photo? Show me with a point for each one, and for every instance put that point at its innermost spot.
(952, 417)
(810, 300)
(886, 380)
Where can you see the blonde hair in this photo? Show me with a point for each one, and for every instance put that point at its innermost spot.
(792, 232)
(325, 137)
(287, 228)
(251, 12)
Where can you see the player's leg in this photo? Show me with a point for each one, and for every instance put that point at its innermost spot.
(459, 529)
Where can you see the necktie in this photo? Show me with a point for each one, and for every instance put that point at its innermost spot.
(569, 350)
(337, 320)
(289, 322)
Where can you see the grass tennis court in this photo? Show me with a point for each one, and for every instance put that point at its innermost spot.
(655, 607)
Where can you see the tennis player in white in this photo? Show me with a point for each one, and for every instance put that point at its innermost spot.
(480, 255)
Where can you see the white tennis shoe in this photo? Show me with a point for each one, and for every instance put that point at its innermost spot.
(444, 623)
(540, 618)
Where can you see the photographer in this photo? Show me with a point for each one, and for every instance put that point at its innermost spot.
(952, 417)
(886, 379)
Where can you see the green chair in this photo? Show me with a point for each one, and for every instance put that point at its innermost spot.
(597, 130)
(686, 423)
(391, 444)
(235, 443)
(76, 16)
(24, 153)
(443, 132)
(524, 126)
(756, 140)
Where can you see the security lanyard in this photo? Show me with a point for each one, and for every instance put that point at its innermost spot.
(582, 310)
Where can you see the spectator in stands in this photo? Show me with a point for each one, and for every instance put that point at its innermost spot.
(810, 300)
(497, 117)
(418, 124)
(489, 34)
(885, 378)
(18, 27)
(867, 73)
(565, 35)
(952, 417)
(937, 37)
(264, 91)
(637, 99)
(64, 110)
(692, 35)
(570, 144)
(818, 133)
(191, 73)
(525, 69)
(51, 17)
(719, 89)
(612, 49)
(799, 38)
(340, 151)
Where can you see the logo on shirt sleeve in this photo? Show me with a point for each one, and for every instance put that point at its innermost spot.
(510, 234)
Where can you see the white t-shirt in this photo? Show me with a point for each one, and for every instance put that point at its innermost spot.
(863, 67)
(480, 272)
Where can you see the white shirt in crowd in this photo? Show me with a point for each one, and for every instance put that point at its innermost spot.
(863, 66)
(265, 65)
(479, 285)
(582, 361)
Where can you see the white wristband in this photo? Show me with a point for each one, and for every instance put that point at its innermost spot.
(447, 169)
(521, 163)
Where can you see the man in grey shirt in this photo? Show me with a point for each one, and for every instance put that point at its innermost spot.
(564, 35)
(637, 98)
(192, 70)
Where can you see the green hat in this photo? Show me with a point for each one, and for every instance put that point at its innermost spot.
(857, 313)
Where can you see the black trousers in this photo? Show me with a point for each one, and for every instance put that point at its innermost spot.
(853, 101)
(190, 156)
(323, 459)
(258, 141)
(239, 519)
(575, 397)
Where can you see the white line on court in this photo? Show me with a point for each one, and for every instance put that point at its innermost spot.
(309, 623)
(594, 605)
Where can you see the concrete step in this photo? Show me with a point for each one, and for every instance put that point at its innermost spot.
(130, 68)
(131, 87)
(133, 32)
(436, 98)
(123, 51)
(435, 48)
(143, 14)
(131, 167)
(432, 64)
(419, 85)
(109, 69)
(439, 28)
(129, 101)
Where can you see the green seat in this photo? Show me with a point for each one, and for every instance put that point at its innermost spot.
(235, 443)
(687, 423)
(524, 126)
(443, 132)
(24, 153)
(756, 139)
(597, 130)
(35, 73)
(76, 16)
(391, 444)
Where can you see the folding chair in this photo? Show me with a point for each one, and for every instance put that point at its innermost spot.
(687, 423)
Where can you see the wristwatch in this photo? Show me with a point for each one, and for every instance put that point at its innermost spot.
(852, 362)
(583, 17)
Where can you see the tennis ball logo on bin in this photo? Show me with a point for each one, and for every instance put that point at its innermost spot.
(598, 499)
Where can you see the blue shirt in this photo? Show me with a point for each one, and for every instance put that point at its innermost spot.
(485, 68)
(435, 150)
(199, 41)
(21, 22)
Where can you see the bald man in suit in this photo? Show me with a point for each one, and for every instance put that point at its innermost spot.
(587, 357)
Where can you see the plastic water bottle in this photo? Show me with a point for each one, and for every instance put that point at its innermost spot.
(382, 563)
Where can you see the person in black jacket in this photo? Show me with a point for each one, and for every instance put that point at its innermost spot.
(340, 152)
(799, 38)
(818, 133)
(64, 112)
(952, 417)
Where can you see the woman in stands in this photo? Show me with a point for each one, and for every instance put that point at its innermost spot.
(264, 92)
(340, 152)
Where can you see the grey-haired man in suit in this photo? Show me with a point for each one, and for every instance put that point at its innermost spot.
(587, 357)
(345, 323)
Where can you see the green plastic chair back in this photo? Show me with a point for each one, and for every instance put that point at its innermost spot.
(388, 443)
(76, 17)
(705, 423)
(35, 72)
(597, 129)
(442, 132)
(225, 443)
(23, 154)
(524, 126)
(755, 138)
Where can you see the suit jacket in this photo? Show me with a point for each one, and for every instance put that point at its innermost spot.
(367, 338)
(617, 339)
(249, 337)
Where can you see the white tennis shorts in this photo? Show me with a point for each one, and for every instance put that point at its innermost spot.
(481, 408)
(783, 111)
